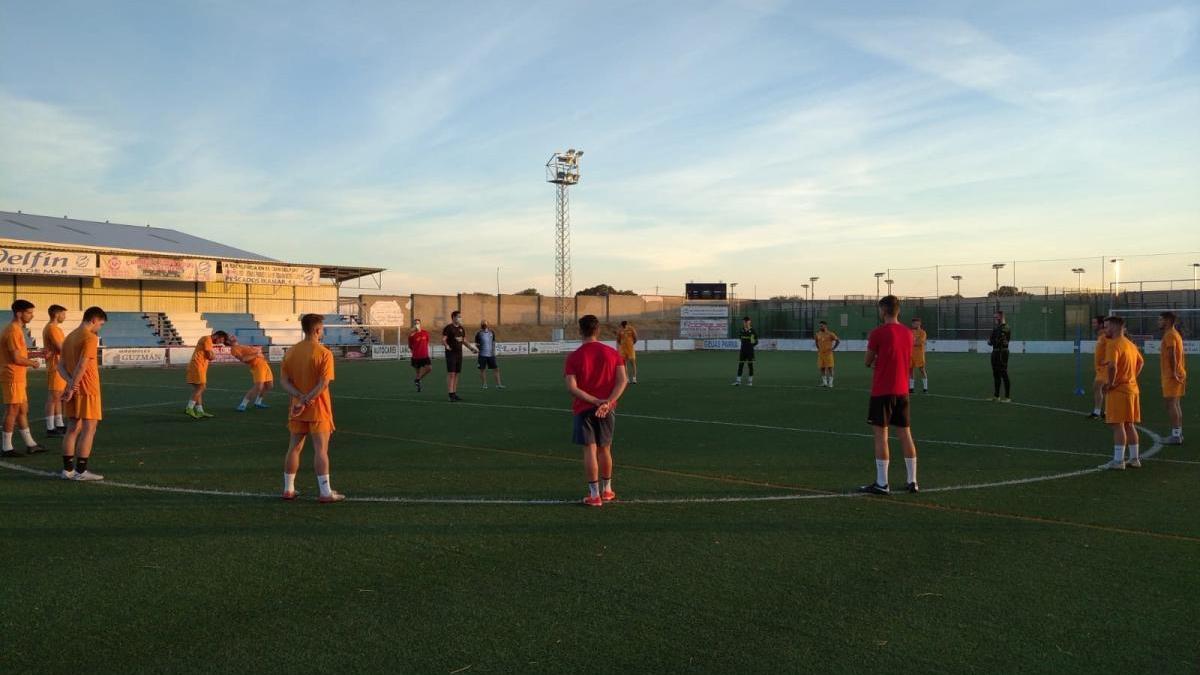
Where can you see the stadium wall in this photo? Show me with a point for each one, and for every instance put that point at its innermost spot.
(434, 310)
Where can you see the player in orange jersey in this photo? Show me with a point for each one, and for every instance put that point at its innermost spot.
(197, 373)
(1173, 369)
(920, 337)
(1099, 360)
(627, 338)
(827, 341)
(14, 362)
(1123, 408)
(52, 339)
(80, 369)
(306, 373)
(263, 380)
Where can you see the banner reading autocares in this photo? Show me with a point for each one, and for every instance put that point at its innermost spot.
(41, 261)
(275, 275)
(148, 267)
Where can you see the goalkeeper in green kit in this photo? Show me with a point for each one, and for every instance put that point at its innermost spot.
(749, 339)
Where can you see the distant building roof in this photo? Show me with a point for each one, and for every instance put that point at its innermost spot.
(67, 232)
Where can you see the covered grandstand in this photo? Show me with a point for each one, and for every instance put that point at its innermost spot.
(164, 288)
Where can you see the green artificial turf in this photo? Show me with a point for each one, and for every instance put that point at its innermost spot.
(1089, 573)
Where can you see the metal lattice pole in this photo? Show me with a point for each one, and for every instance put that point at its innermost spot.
(563, 282)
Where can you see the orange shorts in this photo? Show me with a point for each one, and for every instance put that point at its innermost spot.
(628, 354)
(1101, 375)
(1122, 406)
(1173, 388)
(83, 407)
(14, 392)
(918, 360)
(261, 373)
(54, 381)
(825, 360)
(320, 427)
(197, 373)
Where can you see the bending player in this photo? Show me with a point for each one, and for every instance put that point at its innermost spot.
(889, 351)
(827, 341)
(1123, 407)
(14, 362)
(1099, 360)
(262, 379)
(595, 376)
(748, 338)
(306, 373)
(80, 370)
(627, 338)
(918, 358)
(1174, 375)
(52, 340)
(197, 373)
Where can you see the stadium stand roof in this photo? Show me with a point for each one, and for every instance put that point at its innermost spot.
(106, 237)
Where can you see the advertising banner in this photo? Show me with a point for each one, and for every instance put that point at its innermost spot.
(275, 353)
(701, 329)
(131, 357)
(385, 352)
(41, 261)
(547, 347)
(148, 267)
(275, 275)
(704, 312)
(726, 345)
(512, 348)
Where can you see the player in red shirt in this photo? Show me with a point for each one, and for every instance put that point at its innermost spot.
(595, 376)
(889, 352)
(418, 344)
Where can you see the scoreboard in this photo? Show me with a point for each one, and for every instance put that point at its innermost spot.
(718, 291)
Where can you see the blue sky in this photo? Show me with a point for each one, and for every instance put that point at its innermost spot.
(758, 141)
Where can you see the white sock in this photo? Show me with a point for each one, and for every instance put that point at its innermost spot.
(289, 482)
(910, 463)
(593, 489)
(50, 423)
(28, 437)
(750, 379)
(58, 421)
(1095, 411)
(7, 441)
(739, 378)
(605, 484)
(827, 380)
(245, 402)
(323, 485)
(1118, 453)
(831, 380)
(1133, 451)
(199, 407)
(924, 382)
(258, 400)
(191, 405)
(1177, 432)
(881, 469)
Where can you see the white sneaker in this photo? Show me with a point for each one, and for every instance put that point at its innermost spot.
(86, 475)
(1114, 464)
(500, 386)
(485, 386)
(737, 383)
(634, 380)
(1134, 463)
(67, 475)
(749, 384)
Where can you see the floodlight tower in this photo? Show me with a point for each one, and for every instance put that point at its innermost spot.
(563, 170)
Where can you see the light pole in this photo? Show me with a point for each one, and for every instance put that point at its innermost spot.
(878, 276)
(957, 285)
(562, 169)
(997, 267)
(805, 287)
(813, 281)
(1079, 277)
(889, 282)
(1116, 263)
(733, 291)
(1195, 266)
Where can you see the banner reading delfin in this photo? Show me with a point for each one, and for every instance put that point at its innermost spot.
(41, 261)
(147, 267)
(274, 275)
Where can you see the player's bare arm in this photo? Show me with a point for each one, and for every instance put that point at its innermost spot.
(578, 393)
(870, 358)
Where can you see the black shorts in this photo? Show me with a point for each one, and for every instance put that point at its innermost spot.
(421, 363)
(453, 362)
(888, 411)
(488, 362)
(590, 429)
(746, 355)
(999, 359)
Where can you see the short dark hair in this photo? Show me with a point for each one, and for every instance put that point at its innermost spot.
(890, 305)
(916, 318)
(1115, 320)
(55, 309)
(309, 323)
(21, 306)
(220, 334)
(823, 323)
(455, 313)
(1169, 317)
(745, 318)
(91, 313)
(1000, 312)
(589, 325)
(624, 323)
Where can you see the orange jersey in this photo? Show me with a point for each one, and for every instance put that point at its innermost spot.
(197, 371)
(304, 365)
(1101, 351)
(1172, 341)
(12, 347)
(919, 339)
(825, 340)
(52, 340)
(1124, 356)
(253, 357)
(83, 344)
(626, 337)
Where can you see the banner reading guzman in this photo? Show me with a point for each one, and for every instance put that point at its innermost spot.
(41, 261)
(147, 267)
(273, 275)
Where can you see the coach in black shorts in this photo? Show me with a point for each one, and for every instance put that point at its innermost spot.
(453, 339)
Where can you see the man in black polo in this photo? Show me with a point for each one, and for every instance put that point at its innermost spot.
(748, 338)
(998, 341)
(454, 336)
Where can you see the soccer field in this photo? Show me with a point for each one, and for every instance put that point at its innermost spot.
(735, 546)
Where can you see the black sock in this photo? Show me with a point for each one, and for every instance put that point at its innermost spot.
(751, 370)
(81, 465)
(68, 463)
(741, 366)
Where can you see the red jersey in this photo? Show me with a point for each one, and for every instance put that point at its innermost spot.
(594, 366)
(418, 342)
(893, 345)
